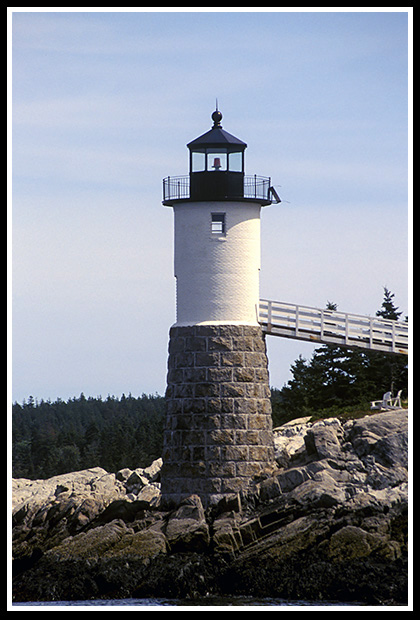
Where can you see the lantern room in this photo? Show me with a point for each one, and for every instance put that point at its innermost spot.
(217, 172)
(216, 164)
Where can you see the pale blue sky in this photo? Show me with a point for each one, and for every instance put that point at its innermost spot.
(103, 104)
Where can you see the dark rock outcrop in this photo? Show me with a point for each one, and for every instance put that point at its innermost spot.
(330, 522)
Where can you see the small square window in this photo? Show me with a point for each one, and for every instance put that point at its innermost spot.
(218, 223)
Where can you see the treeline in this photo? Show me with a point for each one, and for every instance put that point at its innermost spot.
(51, 438)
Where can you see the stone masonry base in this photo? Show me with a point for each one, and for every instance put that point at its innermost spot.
(218, 432)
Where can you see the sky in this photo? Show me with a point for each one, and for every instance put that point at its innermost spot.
(101, 107)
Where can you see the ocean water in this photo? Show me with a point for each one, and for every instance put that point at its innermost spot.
(213, 602)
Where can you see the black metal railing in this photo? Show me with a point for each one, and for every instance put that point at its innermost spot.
(176, 188)
(255, 187)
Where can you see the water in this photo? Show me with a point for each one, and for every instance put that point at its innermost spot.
(214, 602)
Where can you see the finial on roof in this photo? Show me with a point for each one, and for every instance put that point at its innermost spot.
(217, 117)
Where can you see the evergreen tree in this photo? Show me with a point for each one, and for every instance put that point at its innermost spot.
(388, 310)
(389, 372)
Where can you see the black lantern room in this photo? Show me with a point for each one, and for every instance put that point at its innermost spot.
(216, 164)
(217, 172)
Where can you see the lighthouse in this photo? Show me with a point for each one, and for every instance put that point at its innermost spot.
(218, 432)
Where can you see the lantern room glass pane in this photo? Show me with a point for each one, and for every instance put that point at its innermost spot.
(235, 162)
(198, 161)
(216, 160)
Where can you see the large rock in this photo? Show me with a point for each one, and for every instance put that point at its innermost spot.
(111, 540)
(187, 529)
(289, 439)
(324, 439)
(382, 436)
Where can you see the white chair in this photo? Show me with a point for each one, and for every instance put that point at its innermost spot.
(381, 404)
(395, 403)
(387, 402)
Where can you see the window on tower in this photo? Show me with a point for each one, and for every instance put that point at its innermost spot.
(218, 223)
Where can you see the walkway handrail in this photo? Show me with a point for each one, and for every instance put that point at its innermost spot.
(333, 327)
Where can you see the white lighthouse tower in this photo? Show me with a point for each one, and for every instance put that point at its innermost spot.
(218, 427)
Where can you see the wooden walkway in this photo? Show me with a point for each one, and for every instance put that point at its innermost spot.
(333, 327)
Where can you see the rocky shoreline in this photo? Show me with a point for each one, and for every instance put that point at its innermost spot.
(329, 522)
